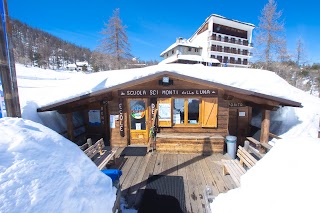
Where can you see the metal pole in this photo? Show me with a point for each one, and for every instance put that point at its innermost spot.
(7, 64)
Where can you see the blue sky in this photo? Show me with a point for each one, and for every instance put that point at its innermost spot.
(152, 26)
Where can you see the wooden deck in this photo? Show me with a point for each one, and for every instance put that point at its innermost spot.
(197, 172)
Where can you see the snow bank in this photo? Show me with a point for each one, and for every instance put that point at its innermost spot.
(41, 171)
(285, 180)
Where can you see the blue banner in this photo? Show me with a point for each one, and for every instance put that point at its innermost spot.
(3, 23)
(4, 27)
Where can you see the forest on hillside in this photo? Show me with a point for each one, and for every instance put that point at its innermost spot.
(34, 47)
(38, 48)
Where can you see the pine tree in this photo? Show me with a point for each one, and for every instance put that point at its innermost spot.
(115, 41)
(270, 37)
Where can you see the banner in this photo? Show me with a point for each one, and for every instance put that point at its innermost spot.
(3, 112)
(4, 28)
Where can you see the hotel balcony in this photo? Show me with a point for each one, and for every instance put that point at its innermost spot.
(226, 39)
(241, 63)
(230, 50)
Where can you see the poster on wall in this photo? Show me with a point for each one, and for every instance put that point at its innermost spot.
(112, 121)
(164, 111)
(94, 118)
(138, 126)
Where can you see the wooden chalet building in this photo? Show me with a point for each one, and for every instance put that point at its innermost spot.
(194, 115)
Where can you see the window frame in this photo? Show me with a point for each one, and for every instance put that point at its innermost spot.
(186, 111)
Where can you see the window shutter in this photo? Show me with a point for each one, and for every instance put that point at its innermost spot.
(209, 112)
(164, 112)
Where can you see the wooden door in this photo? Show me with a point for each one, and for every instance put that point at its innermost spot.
(239, 123)
(138, 119)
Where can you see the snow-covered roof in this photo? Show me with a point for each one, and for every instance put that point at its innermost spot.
(71, 66)
(180, 42)
(82, 63)
(250, 81)
(196, 58)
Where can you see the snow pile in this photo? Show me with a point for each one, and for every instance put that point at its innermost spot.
(41, 171)
(285, 180)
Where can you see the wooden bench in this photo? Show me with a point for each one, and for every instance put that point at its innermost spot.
(262, 147)
(237, 168)
(99, 154)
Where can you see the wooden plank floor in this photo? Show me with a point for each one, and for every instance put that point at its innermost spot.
(197, 172)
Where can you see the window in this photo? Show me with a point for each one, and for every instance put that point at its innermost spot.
(189, 49)
(196, 50)
(186, 111)
(172, 51)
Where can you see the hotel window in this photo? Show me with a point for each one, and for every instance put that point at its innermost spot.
(186, 111)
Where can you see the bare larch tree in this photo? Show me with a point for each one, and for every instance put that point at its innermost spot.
(300, 52)
(270, 37)
(115, 42)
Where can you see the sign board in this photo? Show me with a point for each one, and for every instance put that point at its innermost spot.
(233, 104)
(167, 92)
(121, 118)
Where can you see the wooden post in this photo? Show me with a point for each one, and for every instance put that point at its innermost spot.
(70, 126)
(265, 126)
(7, 65)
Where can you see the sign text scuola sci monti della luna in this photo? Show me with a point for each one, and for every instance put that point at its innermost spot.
(168, 92)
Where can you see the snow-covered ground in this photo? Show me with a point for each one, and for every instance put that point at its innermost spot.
(285, 180)
(40, 169)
